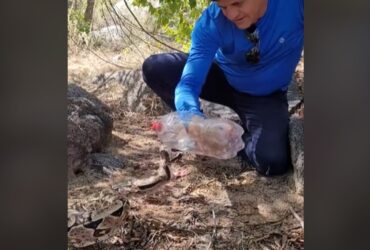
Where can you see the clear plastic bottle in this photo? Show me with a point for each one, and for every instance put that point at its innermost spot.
(215, 137)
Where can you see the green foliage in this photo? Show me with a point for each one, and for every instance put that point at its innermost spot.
(77, 20)
(175, 18)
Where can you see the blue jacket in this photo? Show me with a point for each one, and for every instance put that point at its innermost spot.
(214, 37)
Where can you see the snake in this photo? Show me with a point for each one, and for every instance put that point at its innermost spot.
(98, 226)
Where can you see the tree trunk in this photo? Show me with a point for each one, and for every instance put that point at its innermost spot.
(75, 4)
(89, 11)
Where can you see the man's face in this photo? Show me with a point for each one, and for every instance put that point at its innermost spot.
(243, 13)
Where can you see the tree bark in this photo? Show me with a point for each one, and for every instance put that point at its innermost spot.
(89, 11)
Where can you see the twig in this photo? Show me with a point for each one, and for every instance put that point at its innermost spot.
(242, 240)
(152, 237)
(188, 245)
(262, 238)
(107, 24)
(257, 240)
(128, 37)
(143, 29)
(297, 217)
(284, 242)
(214, 230)
(271, 223)
(127, 21)
(169, 243)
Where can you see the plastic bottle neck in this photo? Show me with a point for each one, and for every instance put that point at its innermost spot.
(156, 126)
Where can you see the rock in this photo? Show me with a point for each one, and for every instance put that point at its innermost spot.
(296, 137)
(137, 96)
(102, 160)
(138, 92)
(211, 109)
(116, 32)
(109, 34)
(299, 74)
(294, 95)
(89, 126)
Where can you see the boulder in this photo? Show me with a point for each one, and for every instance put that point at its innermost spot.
(137, 96)
(89, 126)
(109, 34)
(294, 95)
(211, 109)
(296, 137)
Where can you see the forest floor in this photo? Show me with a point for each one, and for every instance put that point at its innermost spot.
(221, 206)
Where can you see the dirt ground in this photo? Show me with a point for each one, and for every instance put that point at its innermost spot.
(217, 206)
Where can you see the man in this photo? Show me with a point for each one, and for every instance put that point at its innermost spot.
(243, 54)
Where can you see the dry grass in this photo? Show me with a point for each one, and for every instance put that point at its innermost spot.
(215, 207)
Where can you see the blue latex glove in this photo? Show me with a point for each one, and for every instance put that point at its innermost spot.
(187, 104)
(186, 100)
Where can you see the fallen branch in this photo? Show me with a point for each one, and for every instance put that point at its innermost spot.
(297, 217)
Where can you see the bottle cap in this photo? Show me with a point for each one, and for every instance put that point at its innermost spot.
(156, 126)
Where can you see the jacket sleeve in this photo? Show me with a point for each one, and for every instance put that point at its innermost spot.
(204, 44)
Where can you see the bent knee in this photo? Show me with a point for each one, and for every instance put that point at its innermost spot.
(148, 67)
(273, 163)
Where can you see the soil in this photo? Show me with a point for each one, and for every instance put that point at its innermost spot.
(223, 206)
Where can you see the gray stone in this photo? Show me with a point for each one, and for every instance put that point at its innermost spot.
(296, 137)
(101, 160)
(294, 95)
(137, 96)
(211, 109)
(89, 126)
(112, 33)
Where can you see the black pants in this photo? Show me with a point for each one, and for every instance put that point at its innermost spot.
(265, 119)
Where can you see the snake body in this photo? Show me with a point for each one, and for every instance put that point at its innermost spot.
(99, 226)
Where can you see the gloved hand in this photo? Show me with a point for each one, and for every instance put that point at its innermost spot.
(187, 105)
